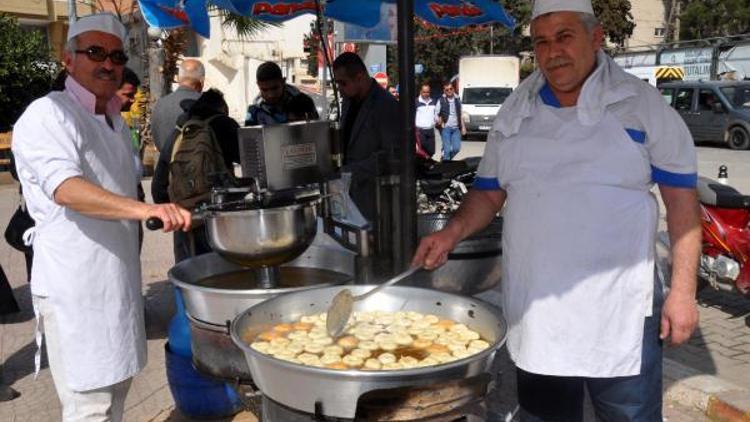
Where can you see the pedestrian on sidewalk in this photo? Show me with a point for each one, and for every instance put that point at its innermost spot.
(425, 118)
(75, 162)
(571, 161)
(452, 124)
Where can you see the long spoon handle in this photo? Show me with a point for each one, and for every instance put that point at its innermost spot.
(390, 282)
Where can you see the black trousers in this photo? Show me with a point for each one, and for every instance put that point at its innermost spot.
(427, 140)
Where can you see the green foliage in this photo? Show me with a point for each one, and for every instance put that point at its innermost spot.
(714, 18)
(26, 69)
(312, 44)
(616, 19)
(245, 26)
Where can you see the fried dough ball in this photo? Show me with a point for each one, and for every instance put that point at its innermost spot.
(314, 348)
(303, 326)
(372, 364)
(437, 348)
(329, 359)
(348, 342)
(261, 346)
(427, 335)
(269, 335)
(479, 344)
(445, 324)
(385, 358)
(404, 339)
(361, 353)
(283, 328)
(323, 341)
(280, 341)
(352, 361)
(408, 362)
(336, 365)
(333, 350)
(421, 343)
(368, 345)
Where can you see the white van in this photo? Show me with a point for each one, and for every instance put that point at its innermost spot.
(484, 82)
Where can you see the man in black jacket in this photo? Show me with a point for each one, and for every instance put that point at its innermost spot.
(370, 122)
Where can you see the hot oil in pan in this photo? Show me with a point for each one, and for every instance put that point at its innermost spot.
(289, 277)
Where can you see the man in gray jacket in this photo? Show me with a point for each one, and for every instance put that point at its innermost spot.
(167, 109)
(370, 124)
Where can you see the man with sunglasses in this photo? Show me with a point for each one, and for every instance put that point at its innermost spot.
(75, 163)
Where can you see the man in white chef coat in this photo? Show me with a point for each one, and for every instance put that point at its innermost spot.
(572, 156)
(79, 179)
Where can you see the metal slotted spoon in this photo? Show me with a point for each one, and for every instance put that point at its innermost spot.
(343, 303)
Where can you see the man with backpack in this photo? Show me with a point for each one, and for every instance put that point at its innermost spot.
(199, 154)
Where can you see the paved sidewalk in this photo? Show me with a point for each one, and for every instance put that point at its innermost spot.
(716, 361)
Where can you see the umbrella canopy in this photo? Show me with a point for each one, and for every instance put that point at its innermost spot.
(168, 14)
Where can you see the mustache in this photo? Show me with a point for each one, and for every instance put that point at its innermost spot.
(106, 74)
(559, 62)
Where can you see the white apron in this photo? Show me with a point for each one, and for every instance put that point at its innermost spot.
(578, 240)
(89, 268)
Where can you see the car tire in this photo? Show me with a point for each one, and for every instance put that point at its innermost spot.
(738, 138)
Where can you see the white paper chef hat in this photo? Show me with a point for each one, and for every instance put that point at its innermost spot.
(102, 22)
(542, 7)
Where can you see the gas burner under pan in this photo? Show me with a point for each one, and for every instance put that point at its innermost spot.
(272, 411)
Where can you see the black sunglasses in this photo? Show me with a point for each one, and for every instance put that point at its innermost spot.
(99, 54)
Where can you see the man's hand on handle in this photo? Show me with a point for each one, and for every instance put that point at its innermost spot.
(173, 216)
(433, 250)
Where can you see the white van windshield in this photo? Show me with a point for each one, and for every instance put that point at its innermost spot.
(485, 95)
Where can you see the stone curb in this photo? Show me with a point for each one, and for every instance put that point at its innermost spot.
(720, 400)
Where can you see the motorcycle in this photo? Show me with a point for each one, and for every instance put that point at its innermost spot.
(725, 254)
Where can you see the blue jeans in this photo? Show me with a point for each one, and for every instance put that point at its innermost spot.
(636, 398)
(451, 138)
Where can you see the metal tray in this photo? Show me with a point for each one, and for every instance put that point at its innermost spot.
(335, 392)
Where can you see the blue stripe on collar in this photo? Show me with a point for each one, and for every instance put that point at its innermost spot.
(548, 97)
(637, 135)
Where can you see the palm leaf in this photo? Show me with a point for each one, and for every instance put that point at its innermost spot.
(244, 26)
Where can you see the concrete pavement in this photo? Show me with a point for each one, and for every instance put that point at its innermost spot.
(711, 372)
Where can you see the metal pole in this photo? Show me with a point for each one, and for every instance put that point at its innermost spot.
(72, 14)
(492, 38)
(407, 99)
(324, 77)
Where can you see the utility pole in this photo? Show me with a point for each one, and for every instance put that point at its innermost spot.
(72, 15)
(492, 39)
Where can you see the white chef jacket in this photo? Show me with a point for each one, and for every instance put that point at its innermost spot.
(88, 268)
(580, 221)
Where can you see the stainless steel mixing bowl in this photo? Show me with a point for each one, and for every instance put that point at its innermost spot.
(265, 237)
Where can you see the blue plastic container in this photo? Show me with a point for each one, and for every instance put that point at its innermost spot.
(178, 332)
(195, 395)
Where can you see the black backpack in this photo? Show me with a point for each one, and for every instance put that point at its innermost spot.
(197, 164)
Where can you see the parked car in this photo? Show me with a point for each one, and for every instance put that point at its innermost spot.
(714, 111)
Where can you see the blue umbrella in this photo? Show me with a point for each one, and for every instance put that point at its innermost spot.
(168, 14)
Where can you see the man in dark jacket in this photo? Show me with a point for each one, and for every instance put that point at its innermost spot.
(370, 122)
(449, 114)
(275, 98)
